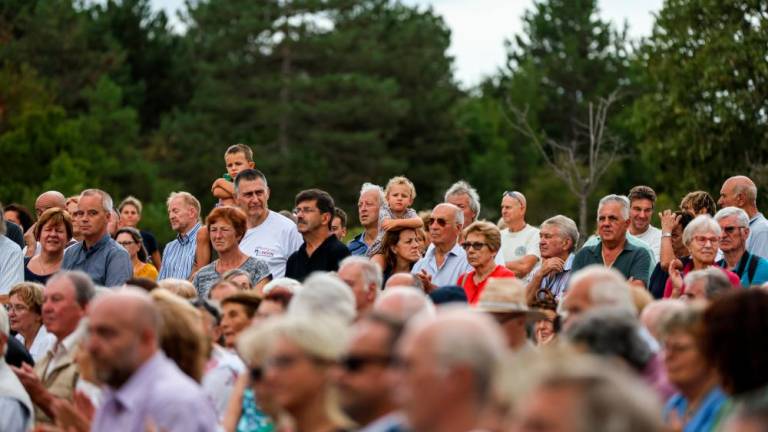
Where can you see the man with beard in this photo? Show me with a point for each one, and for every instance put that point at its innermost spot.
(145, 389)
(321, 250)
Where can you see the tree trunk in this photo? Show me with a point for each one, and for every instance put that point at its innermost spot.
(583, 218)
(285, 92)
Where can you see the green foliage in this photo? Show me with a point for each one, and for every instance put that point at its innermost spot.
(703, 114)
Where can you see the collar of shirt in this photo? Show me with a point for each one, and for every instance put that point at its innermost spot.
(130, 394)
(384, 423)
(98, 245)
(186, 238)
(755, 218)
(69, 342)
(456, 250)
(568, 262)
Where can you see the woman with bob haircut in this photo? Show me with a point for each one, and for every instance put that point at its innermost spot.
(54, 231)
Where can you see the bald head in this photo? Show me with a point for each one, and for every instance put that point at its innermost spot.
(48, 200)
(403, 280)
(132, 306)
(403, 303)
(739, 191)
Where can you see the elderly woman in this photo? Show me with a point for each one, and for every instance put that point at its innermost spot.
(54, 230)
(696, 406)
(130, 239)
(130, 216)
(482, 241)
(298, 370)
(25, 316)
(400, 249)
(702, 238)
(226, 227)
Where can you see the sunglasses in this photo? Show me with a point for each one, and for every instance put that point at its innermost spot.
(731, 229)
(355, 363)
(515, 195)
(440, 221)
(474, 245)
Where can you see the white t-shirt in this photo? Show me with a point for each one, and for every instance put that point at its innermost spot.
(515, 245)
(273, 241)
(652, 237)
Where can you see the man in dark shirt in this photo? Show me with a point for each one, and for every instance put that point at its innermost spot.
(321, 250)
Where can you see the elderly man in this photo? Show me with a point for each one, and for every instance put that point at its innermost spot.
(445, 259)
(98, 255)
(271, 236)
(734, 226)
(558, 237)
(365, 390)
(642, 200)
(179, 254)
(143, 386)
(65, 299)
(364, 278)
(613, 249)
(404, 303)
(371, 199)
(464, 196)
(15, 405)
(741, 192)
(448, 367)
(596, 286)
(11, 260)
(321, 250)
(46, 200)
(519, 241)
(405, 280)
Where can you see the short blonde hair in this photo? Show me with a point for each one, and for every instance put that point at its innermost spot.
(488, 230)
(133, 201)
(401, 181)
(31, 293)
(181, 287)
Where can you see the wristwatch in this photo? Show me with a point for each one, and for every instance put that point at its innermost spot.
(666, 234)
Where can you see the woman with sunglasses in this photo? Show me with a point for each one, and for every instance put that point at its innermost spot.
(130, 239)
(482, 241)
(702, 238)
(400, 249)
(298, 370)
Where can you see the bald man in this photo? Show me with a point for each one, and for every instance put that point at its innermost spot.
(46, 200)
(143, 386)
(741, 192)
(445, 259)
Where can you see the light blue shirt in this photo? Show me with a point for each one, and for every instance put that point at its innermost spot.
(158, 392)
(179, 256)
(757, 243)
(106, 262)
(11, 264)
(455, 265)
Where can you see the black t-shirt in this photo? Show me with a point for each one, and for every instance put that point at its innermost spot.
(324, 258)
(150, 243)
(29, 276)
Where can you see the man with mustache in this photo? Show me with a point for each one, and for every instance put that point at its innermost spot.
(321, 250)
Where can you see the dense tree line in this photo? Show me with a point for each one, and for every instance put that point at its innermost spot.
(331, 93)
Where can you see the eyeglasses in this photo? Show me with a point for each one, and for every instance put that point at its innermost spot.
(731, 229)
(440, 221)
(355, 363)
(257, 374)
(299, 210)
(703, 240)
(474, 245)
(126, 243)
(515, 195)
(17, 308)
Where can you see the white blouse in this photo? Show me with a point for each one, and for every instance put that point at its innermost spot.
(43, 342)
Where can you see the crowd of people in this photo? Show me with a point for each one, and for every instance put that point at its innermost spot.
(259, 320)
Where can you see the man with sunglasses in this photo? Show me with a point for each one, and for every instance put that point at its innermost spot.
(445, 260)
(734, 225)
(519, 241)
(741, 192)
(365, 390)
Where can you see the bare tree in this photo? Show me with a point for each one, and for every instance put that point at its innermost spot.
(581, 161)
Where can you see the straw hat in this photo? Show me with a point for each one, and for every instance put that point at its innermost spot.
(507, 295)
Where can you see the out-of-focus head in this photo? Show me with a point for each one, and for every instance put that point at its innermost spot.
(403, 303)
(567, 392)
(464, 196)
(123, 333)
(324, 294)
(221, 290)
(182, 337)
(732, 324)
(595, 286)
(655, 313)
(239, 277)
(181, 287)
(364, 278)
(65, 298)
(237, 312)
(698, 203)
(504, 300)
(706, 285)
(681, 334)
(448, 363)
(291, 285)
(252, 346)
(405, 280)
(751, 415)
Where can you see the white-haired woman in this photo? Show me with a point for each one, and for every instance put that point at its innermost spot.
(702, 238)
(298, 370)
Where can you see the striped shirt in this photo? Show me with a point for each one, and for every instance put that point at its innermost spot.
(556, 283)
(179, 256)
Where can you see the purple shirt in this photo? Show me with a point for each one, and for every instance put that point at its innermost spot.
(158, 392)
